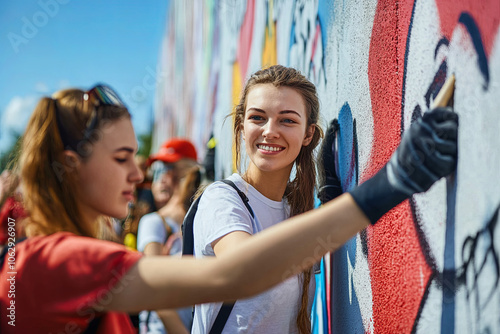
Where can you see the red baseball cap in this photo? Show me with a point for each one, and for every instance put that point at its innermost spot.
(174, 150)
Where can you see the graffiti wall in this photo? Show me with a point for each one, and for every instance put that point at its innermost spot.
(431, 265)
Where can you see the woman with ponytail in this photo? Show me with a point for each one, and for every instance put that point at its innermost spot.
(77, 166)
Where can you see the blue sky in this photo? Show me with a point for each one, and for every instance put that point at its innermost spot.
(48, 45)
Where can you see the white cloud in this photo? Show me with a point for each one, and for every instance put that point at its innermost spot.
(14, 119)
(64, 84)
(41, 87)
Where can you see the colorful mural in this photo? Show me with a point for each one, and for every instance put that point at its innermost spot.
(431, 265)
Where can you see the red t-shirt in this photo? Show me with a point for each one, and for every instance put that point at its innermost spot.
(58, 283)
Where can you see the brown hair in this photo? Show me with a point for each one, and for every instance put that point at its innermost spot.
(48, 180)
(300, 190)
(189, 186)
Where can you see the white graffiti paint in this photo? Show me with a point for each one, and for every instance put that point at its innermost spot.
(197, 95)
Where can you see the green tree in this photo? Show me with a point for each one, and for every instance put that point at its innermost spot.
(8, 158)
(145, 143)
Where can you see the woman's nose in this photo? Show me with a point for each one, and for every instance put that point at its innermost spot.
(136, 174)
(271, 129)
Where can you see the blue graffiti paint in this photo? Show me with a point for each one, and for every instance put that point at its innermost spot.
(347, 315)
(347, 149)
(347, 318)
(319, 311)
(437, 83)
(482, 62)
(448, 302)
(293, 40)
(448, 313)
(442, 42)
(405, 66)
(326, 15)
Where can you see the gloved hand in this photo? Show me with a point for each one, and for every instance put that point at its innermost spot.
(330, 186)
(427, 152)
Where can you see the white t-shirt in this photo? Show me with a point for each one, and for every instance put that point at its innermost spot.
(152, 229)
(221, 211)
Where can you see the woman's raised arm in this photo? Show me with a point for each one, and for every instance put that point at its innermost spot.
(428, 151)
(254, 266)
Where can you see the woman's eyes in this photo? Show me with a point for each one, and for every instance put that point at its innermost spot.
(260, 118)
(120, 160)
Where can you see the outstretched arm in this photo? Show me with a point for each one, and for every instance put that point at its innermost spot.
(427, 152)
(257, 264)
(170, 318)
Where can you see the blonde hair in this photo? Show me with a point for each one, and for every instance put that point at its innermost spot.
(300, 191)
(48, 178)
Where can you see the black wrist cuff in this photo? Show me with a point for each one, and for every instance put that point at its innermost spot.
(376, 196)
(330, 190)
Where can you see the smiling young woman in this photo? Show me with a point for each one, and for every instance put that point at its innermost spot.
(275, 129)
(77, 165)
(277, 118)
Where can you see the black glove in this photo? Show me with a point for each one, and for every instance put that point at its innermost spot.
(330, 186)
(427, 152)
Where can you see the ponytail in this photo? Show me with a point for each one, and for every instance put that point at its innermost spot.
(48, 177)
(47, 182)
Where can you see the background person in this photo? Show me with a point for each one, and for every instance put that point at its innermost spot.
(11, 208)
(175, 169)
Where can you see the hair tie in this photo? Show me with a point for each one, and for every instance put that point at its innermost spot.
(67, 140)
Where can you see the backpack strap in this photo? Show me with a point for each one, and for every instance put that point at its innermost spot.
(188, 249)
(225, 310)
(187, 225)
(244, 197)
(187, 229)
(221, 319)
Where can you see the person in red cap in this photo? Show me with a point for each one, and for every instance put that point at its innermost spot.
(174, 150)
(174, 168)
(173, 157)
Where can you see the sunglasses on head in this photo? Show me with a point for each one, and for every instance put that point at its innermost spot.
(99, 95)
(159, 168)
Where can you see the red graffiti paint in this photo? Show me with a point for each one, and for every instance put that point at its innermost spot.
(450, 10)
(245, 41)
(398, 270)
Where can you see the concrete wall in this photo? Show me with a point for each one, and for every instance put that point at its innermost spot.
(430, 265)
